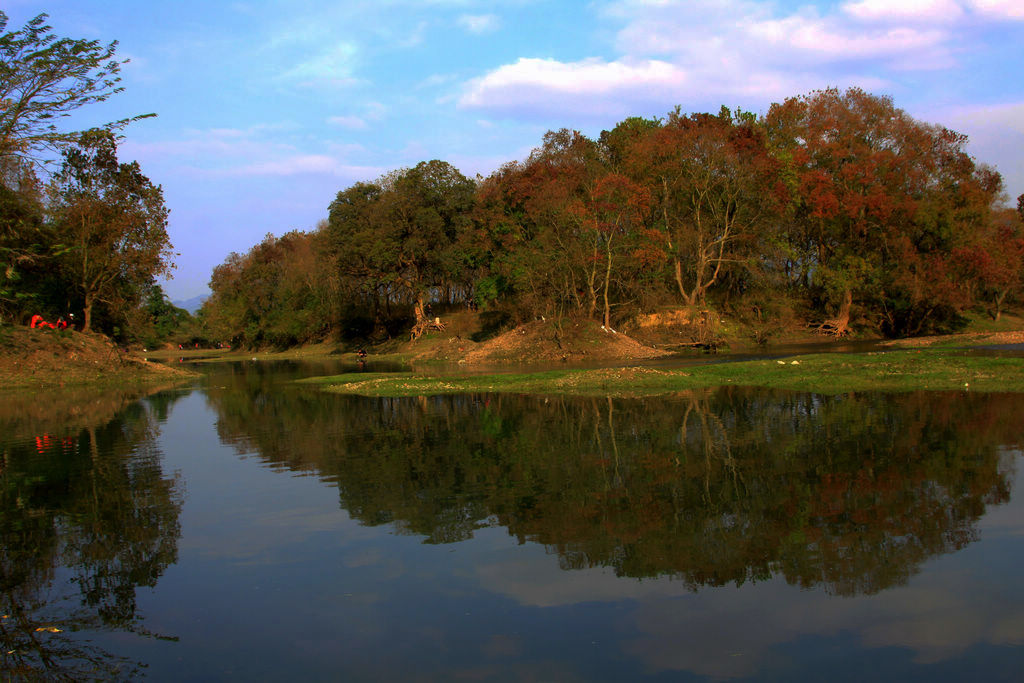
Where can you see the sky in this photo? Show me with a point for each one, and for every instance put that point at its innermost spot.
(266, 109)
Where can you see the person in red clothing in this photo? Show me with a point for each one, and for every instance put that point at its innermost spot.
(37, 322)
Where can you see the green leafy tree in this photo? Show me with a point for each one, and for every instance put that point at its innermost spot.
(23, 235)
(401, 233)
(277, 294)
(163, 318)
(44, 78)
(113, 220)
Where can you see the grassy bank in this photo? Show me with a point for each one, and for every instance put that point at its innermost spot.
(321, 351)
(49, 360)
(901, 370)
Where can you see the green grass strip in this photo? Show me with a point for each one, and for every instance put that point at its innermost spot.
(832, 373)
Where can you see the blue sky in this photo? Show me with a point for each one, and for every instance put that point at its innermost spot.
(267, 108)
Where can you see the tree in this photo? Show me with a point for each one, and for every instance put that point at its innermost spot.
(162, 318)
(44, 78)
(401, 231)
(717, 188)
(880, 201)
(428, 210)
(608, 215)
(113, 220)
(556, 260)
(23, 235)
(990, 264)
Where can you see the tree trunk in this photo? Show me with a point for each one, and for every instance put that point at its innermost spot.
(419, 308)
(87, 317)
(839, 326)
(679, 281)
(999, 302)
(592, 285)
(607, 282)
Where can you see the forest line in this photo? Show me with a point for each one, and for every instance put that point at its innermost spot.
(835, 209)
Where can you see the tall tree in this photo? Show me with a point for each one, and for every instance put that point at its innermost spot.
(113, 220)
(24, 238)
(608, 214)
(990, 264)
(44, 78)
(880, 200)
(401, 232)
(717, 188)
(557, 261)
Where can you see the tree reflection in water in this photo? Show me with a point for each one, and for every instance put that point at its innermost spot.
(87, 516)
(851, 492)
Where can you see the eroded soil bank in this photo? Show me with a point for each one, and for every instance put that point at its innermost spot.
(46, 359)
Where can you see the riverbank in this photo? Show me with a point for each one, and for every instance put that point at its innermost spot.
(472, 338)
(831, 373)
(34, 359)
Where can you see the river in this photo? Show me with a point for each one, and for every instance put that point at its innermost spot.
(250, 528)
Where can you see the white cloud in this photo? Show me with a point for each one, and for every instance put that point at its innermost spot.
(478, 23)
(703, 51)
(814, 39)
(231, 152)
(999, 9)
(933, 10)
(904, 10)
(302, 163)
(350, 122)
(547, 84)
(218, 144)
(734, 29)
(587, 76)
(371, 111)
(436, 80)
(375, 110)
(1006, 117)
(335, 66)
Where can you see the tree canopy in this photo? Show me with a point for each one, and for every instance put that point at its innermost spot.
(44, 78)
(92, 232)
(113, 220)
(836, 209)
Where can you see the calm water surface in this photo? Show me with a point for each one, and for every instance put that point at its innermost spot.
(251, 529)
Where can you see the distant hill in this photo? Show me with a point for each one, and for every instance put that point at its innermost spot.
(192, 305)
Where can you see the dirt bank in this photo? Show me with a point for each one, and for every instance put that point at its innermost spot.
(965, 339)
(537, 341)
(44, 359)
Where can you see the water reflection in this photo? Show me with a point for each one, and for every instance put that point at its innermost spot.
(534, 515)
(729, 486)
(87, 517)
